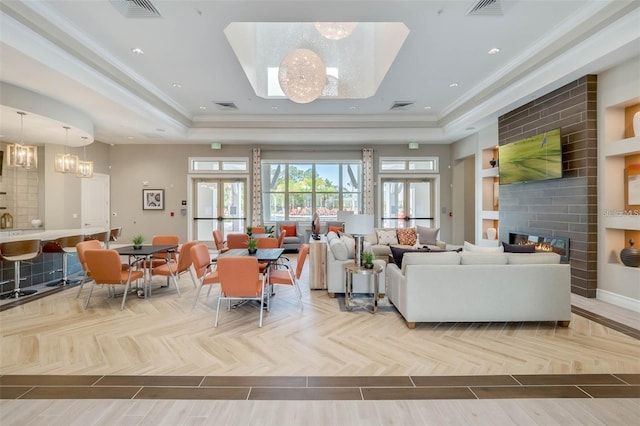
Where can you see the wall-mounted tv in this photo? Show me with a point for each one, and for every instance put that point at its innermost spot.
(536, 158)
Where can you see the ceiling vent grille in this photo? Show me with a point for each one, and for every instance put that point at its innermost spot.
(226, 106)
(486, 8)
(401, 105)
(136, 8)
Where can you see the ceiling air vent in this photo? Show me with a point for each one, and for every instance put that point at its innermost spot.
(401, 105)
(226, 106)
(486, 8)
(136, 8)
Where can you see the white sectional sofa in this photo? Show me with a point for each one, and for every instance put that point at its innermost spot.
(341, 252)
(480, 287)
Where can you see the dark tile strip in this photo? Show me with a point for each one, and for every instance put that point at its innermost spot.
(632, 379)
(85, 392)
(150, 381)
(305, 394)
(359, 381)
(568, 379)
(464, 380)
(226, 393)
(614, 325)
(612, 391)
(417, 393)
(506, 392)
(256, 381)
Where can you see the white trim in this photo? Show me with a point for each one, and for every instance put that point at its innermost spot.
(618, 300)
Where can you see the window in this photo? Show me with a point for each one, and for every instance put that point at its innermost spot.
(216, 165)
(413, 165)
(295, 191)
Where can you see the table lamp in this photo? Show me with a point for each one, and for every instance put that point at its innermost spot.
(359, 225)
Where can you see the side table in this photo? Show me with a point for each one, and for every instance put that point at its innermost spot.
(349, 302)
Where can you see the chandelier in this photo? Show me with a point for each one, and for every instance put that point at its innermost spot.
(335, 30)
(20, 155)
(66, 163)
(85, 168)
(302, 76)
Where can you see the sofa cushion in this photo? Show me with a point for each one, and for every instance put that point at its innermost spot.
(291, 230)
(406, 236)
(339, 249)
(350, 244)
(430, 258)
(398, 253)
(472, 247)
(331, 236)
(387, 236)
(428, 236)
(532, 258)
(519, 248)
(483, 258)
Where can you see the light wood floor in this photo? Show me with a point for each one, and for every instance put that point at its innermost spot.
(164, 336)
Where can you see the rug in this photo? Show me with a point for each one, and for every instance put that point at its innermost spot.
(383, 304)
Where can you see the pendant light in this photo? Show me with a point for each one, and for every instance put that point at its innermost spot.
(20, 155)
(66, 163)
(85, 168)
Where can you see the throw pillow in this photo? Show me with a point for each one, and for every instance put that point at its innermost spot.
(472, 247)
(291, 230)
(519, 248)
(335, 229)
(398, 253)
(350, 244)
(339, 249)
(406, 236)
(428, 235)
(387, 237)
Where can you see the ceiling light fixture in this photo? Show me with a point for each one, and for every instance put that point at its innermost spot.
(452, 85)
(85, 168)
(20, 155)
(302, 76)
(66, 163)
(335, 30)
(494, 51)
(177, 85)
(137, 51)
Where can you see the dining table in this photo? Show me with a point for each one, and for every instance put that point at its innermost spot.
(141, 256)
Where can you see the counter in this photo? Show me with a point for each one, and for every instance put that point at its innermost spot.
(43, 234)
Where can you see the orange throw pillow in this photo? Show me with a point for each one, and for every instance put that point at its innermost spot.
(291, 230)
(406, 236)
(336, 229)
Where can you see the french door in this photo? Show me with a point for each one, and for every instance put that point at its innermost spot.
(218, 204)
(407, 202)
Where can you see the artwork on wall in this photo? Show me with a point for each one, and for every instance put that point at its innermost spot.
(632, 186)
(153, 199)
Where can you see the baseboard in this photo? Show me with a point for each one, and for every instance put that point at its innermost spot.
(618, 300)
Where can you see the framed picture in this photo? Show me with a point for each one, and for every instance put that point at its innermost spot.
(153, 199)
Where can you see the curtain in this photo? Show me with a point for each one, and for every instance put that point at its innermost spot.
(256, 187)
(367, 184)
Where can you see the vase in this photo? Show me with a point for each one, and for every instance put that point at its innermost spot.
(630, 256)
(636, 124)
(491, 233)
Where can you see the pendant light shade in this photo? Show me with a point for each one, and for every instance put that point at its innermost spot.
(20, 155)
(66, 163)
(85, 168)
(302, 76)
(335, 30)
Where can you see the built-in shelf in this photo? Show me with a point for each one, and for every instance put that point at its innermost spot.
(629, 221)
(622, 147)
(491, 214)
(492, 172)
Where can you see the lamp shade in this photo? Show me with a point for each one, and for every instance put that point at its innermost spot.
(359, 224)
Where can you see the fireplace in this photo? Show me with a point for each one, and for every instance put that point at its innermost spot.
(543, 243)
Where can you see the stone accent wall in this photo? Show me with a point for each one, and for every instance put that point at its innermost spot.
(564, 207)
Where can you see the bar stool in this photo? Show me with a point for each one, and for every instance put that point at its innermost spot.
(114, 234)
(17, 252)
(103, 237)
(65, 246)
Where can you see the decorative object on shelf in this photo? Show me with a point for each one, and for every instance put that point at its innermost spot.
(137, 241)
(636, 124)
(20, 155)
(632, 186)
(252, 245)
(36, 223)
(367, 259)
(359, 225)
(66, 163)
(302, 76)
(630, 256)
(6, 221)
(153, 199)
(493, 162)
(491, 233)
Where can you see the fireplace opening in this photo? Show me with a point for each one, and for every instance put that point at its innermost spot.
(543, 243)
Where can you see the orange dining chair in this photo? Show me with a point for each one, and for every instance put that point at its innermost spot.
(240, 279)
(238, 241)
(283, 275)
(204, 269)
(160, 258)
(266, 243)
(173, 270)
(219, 241)
(257, 230)
(283, 233)
(105, 267)
(81, 248)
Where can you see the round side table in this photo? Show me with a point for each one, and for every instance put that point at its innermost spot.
(349, 302)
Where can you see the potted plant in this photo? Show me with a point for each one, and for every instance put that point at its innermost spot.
(249, 230)
(137, 241)
(252, 245)
(367, 259)
(269, 229)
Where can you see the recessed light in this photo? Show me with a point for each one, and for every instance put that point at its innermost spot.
(275, 108)
(454, 85)
(494, 51)
(130, 137)
(427, 107)
(177, 85)
(137, 51)
(203, 107)
(353, 108)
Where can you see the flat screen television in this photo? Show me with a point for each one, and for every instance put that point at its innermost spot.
(536, 158)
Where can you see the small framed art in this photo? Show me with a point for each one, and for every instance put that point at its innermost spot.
(153, 199)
